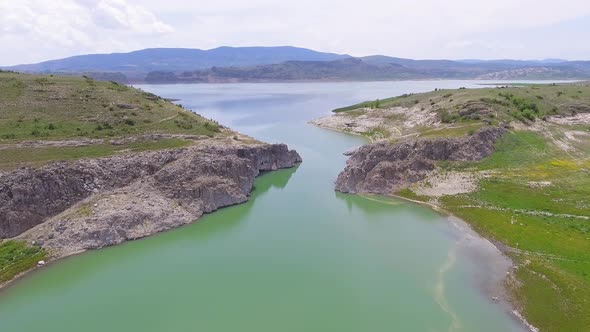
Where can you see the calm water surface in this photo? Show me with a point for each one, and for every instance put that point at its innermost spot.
(296, 257)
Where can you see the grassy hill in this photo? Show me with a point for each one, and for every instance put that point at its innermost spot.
(87, 114)
(463, 110)
(57, 107)
(532, 194)
(507, 102)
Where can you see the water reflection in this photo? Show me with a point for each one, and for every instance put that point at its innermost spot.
(277, 179)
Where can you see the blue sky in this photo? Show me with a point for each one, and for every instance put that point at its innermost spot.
(37, 30)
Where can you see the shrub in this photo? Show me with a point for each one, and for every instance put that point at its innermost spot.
(212, 127)
(528, 114)
(446, 117)
(129, 122)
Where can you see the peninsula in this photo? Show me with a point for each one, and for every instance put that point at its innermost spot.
(514, 162)
(87, 164)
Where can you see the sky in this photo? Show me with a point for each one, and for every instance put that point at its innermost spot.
(37, 30)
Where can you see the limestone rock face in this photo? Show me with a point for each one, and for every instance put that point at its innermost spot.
(93, 203)
(384, 168)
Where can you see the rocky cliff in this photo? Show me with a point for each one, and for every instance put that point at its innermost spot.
(69, 207)
(384, 168)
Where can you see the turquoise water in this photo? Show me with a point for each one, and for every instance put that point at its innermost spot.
(296, 257)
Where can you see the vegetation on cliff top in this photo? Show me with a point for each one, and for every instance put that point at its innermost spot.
(523, 102)
(59, 107)
(67, 108)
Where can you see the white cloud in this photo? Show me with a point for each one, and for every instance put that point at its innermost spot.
(38, 30)
(118, 14)
(44, 29)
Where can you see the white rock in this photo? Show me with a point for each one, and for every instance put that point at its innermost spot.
(41, 263)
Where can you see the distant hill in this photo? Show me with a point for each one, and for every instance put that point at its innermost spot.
(267, 64)
(349, 69)
(176, 59)
(515, 62)
(370, 69)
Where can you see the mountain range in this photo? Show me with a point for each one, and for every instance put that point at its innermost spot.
(267, 64)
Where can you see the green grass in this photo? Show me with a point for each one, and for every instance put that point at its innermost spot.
(516, 149)
(17, 257)
(378, 133)
(57, 107)
(553, 251)
(463, 129)
(524, 102)
(554, 260)
(38, 108)
(35, 157)
(411, 195)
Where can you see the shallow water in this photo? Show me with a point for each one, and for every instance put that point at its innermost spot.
(296, 257)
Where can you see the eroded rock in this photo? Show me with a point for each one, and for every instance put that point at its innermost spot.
(94, 203)
(385, 168)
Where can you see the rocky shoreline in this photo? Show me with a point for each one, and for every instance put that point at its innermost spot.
(69, 207)
(385, 168)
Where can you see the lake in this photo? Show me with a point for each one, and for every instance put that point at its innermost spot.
(297, 257)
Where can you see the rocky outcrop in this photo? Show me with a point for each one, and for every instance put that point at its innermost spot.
(93, 203)
(384, 168)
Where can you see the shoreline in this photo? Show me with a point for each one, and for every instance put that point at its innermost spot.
(278, 157)
(221, 82)
(507, 300)
(495, 290)
(504, 299)
(24, 274)
(58, 258)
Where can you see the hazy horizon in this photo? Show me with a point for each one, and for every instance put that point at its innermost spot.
(345, 53)
(37, 30)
